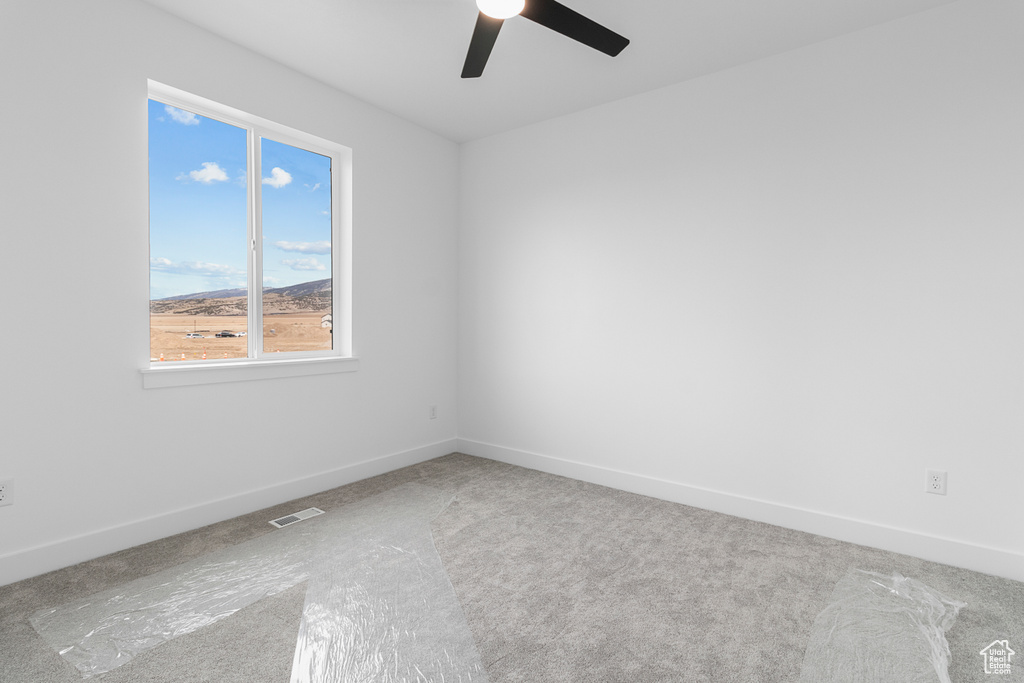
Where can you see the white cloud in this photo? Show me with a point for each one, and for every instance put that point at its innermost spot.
(304, 264)
(210, 173)
(186, 118)
(312, 188)
(214, 270)
(278, 178)
(323, 247)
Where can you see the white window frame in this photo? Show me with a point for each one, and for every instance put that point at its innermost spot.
(260, 365)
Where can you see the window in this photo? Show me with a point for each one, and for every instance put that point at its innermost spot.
(249, 245)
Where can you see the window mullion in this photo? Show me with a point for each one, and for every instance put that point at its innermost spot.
(255, 334)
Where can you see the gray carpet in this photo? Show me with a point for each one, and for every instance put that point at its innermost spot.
(559, 581)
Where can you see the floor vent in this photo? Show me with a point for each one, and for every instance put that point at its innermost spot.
(297, 517)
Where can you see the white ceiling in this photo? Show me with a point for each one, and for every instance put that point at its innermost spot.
(405, 56)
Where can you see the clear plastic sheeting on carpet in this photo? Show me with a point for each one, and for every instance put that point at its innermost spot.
(384, 614)
(881, 628)
(379, 605)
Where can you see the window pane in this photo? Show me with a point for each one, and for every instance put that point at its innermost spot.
(198, 232)
(297, 285)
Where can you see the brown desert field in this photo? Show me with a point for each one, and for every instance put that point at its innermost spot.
(282, 332)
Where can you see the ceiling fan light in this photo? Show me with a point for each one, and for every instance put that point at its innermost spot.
(501, 9)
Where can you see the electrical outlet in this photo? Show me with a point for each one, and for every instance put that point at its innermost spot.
(935, 482)
(5, 492)
(433, 412)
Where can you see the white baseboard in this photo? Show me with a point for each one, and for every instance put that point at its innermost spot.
(44, 558)
(31, 562)
(933, 548)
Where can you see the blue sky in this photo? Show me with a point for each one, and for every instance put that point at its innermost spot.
(197, 207)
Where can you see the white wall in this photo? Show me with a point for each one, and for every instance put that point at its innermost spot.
(98, 462)
(782, 291)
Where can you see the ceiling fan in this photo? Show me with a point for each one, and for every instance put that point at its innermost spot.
(554, 15)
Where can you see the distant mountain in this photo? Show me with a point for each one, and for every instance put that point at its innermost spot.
(306, 296)
(218, 294)
(317, 287)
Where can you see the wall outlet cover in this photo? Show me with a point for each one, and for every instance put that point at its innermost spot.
(935, 482)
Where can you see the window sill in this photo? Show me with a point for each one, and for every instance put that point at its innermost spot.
(178, 374)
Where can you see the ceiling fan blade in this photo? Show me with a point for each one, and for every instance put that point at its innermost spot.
(484, 35)
(558, 17)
